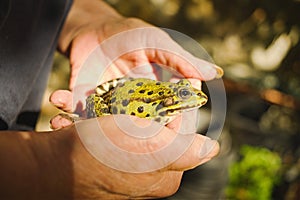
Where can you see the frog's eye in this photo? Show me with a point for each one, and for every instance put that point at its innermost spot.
(184, 93)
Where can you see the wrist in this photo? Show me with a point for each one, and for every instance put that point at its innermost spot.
(36, 165)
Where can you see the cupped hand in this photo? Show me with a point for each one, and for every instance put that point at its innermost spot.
(127, 46)
(128, 167)
(112, 159)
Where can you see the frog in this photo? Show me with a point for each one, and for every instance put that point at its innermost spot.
(145, 98)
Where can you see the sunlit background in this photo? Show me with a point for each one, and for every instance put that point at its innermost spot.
(257, 44)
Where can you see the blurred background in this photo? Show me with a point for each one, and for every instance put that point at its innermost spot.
(257, 44)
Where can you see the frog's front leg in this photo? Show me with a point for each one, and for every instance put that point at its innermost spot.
(95, 106)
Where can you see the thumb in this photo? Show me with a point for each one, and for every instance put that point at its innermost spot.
(62, 99)
(201, 150)
(71, 101)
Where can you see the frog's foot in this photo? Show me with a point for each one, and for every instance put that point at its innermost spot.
(63, 120)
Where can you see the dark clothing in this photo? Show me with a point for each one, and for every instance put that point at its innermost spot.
(28, 38)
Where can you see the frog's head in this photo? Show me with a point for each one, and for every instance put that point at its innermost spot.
(184, 98)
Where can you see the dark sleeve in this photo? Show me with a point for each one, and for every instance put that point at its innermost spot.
(28, 37)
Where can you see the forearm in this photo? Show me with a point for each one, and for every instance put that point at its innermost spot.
(83, 16)
(35, 165)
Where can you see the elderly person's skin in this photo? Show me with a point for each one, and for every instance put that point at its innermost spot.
(93, 23)
(56, 165)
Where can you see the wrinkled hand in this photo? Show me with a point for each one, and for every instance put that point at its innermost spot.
(132, 167)
(128, 47)
(100, 51)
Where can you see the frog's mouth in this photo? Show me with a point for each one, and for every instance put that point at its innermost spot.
(179, 109)
(172, 112)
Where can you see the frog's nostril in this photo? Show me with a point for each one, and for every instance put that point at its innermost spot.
(202, 95)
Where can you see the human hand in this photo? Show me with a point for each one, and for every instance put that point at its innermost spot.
(119, 176)
(151, 45)
(157, 172)
(95, 159)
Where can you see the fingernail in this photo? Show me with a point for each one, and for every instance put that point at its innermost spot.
(213, 71)
(220, 72)
(207, 148)
(58, 104)
(55, 100)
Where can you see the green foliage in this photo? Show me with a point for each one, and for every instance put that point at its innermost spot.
(254, 176)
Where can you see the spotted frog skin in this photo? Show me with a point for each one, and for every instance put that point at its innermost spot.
(145, 98)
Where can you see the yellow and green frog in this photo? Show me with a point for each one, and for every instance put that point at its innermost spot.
(145, 98)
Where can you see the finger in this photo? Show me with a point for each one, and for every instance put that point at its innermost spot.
(62, 99)
(185, 64)
(59, 122)
(134, 64)
(81, 49)
(196, 83)
(185, 123)
(202, 150)
(159, 48)
(142, 71)
(123, 144)
(74, 101)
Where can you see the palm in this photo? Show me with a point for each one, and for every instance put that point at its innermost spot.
(95, 60)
